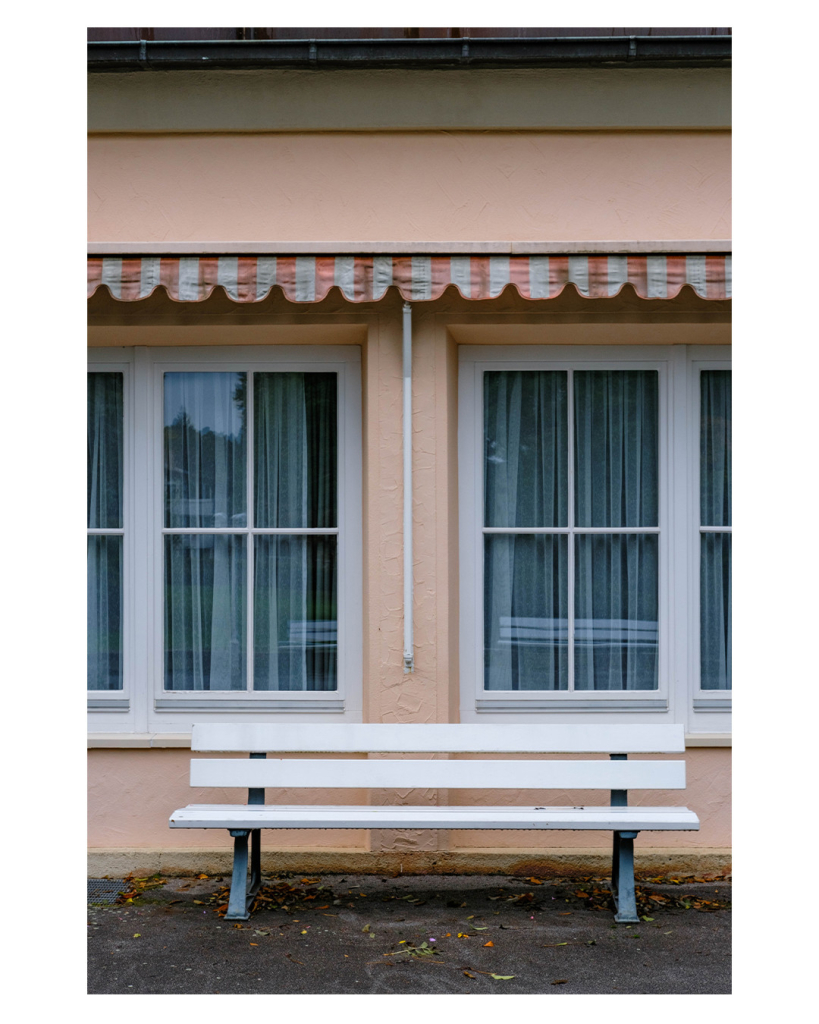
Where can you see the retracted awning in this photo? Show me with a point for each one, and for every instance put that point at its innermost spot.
(418, 278)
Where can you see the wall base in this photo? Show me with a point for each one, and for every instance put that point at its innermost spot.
(565, 863)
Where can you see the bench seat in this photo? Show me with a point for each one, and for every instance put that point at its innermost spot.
(628, 819)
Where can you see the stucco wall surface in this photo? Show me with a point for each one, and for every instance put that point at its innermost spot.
(416, 187)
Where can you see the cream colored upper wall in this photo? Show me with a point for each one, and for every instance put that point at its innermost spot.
(282, 100)
(409, 187)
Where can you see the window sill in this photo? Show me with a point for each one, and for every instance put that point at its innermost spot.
(233, 704)
(109, 704)
(595, 704)
(712, 703)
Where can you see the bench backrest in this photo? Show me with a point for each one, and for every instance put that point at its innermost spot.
(355, 773)
(309, 738)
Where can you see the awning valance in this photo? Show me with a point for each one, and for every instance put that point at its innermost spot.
(418, 278)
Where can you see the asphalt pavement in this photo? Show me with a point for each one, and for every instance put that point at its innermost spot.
(464, 934)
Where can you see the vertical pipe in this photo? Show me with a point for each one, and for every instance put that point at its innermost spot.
(409, 655)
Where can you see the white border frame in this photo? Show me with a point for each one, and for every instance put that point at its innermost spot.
(478, 704)
(143, 490)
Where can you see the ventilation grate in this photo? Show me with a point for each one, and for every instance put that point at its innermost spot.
(104, 890)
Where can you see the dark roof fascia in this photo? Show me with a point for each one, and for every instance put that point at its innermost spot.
(561, 51)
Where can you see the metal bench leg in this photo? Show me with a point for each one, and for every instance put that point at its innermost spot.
(237, 905)
(255, 866)
(622, 878)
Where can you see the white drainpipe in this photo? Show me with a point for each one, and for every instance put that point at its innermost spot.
(409, 654)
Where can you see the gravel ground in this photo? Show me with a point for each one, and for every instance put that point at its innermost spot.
(331, 934)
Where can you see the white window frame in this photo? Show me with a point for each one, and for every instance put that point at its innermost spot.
(678, 626)
(704, 701)
(152, 708)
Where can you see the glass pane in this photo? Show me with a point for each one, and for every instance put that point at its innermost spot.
(525, 448)
(205, 585)
(294, 613)
(105, 450)
(205, 419)
(616, 622)
(295, 440)
(715, 447)
(616, 443)
(526, 610)
(104, 647)
(715, 611)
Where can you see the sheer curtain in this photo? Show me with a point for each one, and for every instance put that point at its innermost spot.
(616, 575)
(525, 575)
(715, 547)
(105, 512)
(205, 574)
(295, 585)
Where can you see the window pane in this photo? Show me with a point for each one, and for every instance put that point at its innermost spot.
(715, 447)
(616, 620)
(525, 612)
(104, 613)
(525, 448)
(616, 444)
(294, 613)
(715, 611)
(205, 583)
(105, 450)
(295, 440)
(205, 449)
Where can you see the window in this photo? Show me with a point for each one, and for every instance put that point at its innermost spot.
(715, 529)
(106, 534)
(575, 500)
(247, 529)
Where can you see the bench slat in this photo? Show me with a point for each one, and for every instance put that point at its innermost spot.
(638, 819)
(353, 738)
(403, 774)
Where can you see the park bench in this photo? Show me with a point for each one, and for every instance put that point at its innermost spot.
(352, 771)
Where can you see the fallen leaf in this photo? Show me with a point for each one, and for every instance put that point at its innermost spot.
(477, 928)
(564, 913)
(309, 881)
(366, 928)
(200, 902)
(292, 959)
(490, 943)
(645, 918)
(254, 943)
(137, 936)
(553, 945)
(559, 981)
(203, 876)
(534, 881)
(502, 977)
(469, 975)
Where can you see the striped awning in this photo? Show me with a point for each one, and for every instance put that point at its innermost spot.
(418, 278)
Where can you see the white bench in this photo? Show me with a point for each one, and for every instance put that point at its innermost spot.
(258, 772)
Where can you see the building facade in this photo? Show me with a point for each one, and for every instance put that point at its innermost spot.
(530, 236)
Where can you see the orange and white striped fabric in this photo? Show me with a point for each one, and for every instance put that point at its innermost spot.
(418, 278)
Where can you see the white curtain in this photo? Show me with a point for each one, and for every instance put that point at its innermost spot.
(525, 575)
(205, 635)
(295, 586)
(616, 575)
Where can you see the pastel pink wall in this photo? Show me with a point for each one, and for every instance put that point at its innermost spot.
(418, 186)
(132, 794)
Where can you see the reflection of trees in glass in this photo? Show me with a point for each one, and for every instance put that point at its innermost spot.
(205, 471)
